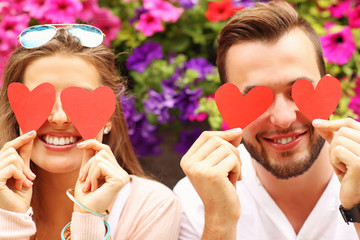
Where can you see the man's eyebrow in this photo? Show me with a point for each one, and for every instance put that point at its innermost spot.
(249, 88)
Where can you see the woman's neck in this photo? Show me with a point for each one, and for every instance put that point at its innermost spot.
(52, 208)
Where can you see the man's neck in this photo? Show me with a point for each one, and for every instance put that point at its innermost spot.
(297, 196)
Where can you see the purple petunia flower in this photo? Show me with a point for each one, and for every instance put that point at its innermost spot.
(188, 102)
(160, 103)
(201, 65)
(143, 56)
(187, 138)
(142, 134)
(138, 12)
(188, 4)
(246, 3)
(338, 47)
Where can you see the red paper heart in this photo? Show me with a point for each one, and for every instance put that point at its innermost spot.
(238, 111)
(88, 111)
(318, 103)
(31, 109)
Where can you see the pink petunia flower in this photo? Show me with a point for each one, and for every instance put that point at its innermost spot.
(89, 10)
(63, 11)
(355, 101)
(108, 23)
(199, 117)
(163, 10)
(338, 47)
(341, 9)
(354, 17)
(149, 25)
(36, 8)
(10, 28)
(224, 126)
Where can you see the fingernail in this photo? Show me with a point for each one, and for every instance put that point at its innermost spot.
(32, 174)
(318, 122)
(31, 133)
(80, 144)
(29, 182)
(81, 178)
(236, 130)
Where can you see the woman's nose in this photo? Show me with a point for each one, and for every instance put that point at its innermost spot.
(58, 115)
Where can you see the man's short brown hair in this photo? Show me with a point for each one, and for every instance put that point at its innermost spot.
(265, 22)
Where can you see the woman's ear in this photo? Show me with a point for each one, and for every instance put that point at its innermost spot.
(107, 127)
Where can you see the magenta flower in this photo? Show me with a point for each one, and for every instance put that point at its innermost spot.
(62, 11)
(355, 101)
(163, 10)
(340, 10)
(338, 47)
(11, 7)
(89, 10)
(108, 23)
(36, 8)
(199, 117)
(354, 17)
(10, 28)
(149, 24)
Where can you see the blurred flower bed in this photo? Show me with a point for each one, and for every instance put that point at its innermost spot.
(167, 50)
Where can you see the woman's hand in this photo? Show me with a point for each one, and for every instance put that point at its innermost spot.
(15, 174)
(100, 179)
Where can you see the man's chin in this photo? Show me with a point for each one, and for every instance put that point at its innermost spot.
(287, 164)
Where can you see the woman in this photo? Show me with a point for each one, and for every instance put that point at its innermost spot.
(38, 168)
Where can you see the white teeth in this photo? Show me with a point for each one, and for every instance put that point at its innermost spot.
(52, 140)
(284, 140)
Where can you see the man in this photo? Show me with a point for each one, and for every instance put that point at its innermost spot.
(288, 189)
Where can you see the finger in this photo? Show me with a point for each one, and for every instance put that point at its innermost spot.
(342, 158)
(215, 146)
(348, 143)
(334, 125)
(20, 141)
(93, 175)
(233, 136)
(25, 155)
(11, 171)
(88, 153)
(231, 166)
(95, 145)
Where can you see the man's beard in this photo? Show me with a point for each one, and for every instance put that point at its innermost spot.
(287, 169)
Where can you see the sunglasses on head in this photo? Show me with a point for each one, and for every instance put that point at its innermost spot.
(38, 35)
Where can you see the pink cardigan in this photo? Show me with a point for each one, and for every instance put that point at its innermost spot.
(151, 212)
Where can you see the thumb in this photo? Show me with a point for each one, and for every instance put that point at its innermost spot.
(26, 149)
(237, 137)
(323, 128)
(87, 154)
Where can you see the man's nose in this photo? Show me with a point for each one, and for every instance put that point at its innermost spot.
(283, 111)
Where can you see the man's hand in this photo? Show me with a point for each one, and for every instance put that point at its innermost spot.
(344, 138)
(213, 165)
